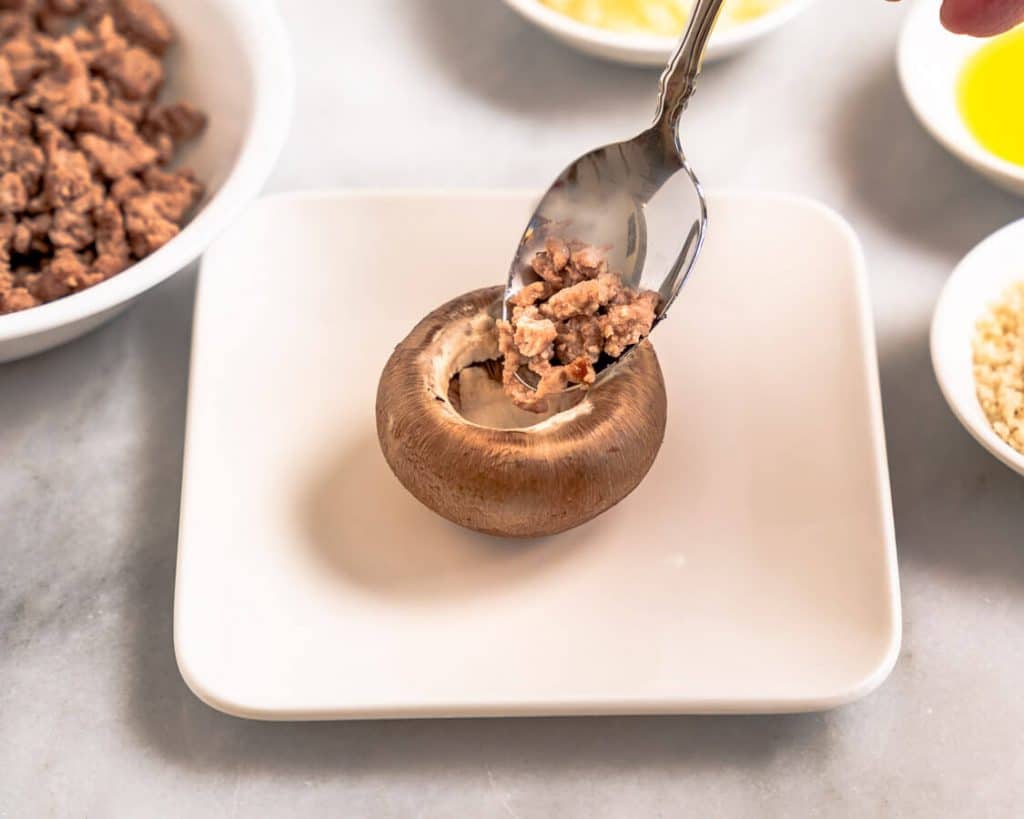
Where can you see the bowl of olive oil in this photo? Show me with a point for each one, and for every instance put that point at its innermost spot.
(968, 93)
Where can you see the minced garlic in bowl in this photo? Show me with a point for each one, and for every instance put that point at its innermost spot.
(999, 365)
(659, 17)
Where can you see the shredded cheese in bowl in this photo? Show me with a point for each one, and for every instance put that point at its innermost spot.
(660, 17)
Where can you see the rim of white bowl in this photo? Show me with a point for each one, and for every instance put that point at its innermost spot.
(651, 45)
(264, 38)
(943, 367)
(963, 146)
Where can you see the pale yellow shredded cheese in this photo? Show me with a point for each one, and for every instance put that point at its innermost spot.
(661, 17)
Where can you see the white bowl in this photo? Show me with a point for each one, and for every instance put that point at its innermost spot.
(978, 281)
(232, 60)
(651, 50)
(931, 61)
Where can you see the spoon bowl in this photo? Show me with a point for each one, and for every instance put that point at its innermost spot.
(602, 199)
(606, 197)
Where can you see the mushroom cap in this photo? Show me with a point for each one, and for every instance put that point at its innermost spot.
(527, 482)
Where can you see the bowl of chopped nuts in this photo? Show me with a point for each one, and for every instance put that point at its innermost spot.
(132, 133)
(977, 344)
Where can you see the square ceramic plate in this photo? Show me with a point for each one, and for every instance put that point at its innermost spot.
(754, 570)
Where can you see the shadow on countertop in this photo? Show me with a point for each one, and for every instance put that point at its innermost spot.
(956, 507)
(42, 398)
(513, 64)
(958, 510)
(912, 186)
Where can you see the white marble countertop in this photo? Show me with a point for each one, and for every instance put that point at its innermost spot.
(94, 718)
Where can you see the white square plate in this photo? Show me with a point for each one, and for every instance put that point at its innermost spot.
(754, 570)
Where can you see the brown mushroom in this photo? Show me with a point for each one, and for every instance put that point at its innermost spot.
(459, 445)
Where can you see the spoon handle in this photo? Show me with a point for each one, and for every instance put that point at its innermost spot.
(680, 77)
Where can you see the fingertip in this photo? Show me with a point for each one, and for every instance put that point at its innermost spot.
(952, 18)
(981, 18)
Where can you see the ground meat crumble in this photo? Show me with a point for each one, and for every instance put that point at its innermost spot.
(85, 190)
(564, 322)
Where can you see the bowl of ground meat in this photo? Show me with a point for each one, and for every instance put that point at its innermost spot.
(131, 133)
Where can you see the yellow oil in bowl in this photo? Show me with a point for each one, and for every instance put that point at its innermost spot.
(662, 17)
(991, 96)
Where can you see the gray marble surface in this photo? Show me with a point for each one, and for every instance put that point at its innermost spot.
(94, 718)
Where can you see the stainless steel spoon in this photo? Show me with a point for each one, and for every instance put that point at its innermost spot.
(601, 198)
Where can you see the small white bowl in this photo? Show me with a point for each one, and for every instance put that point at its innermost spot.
(931, 61)
(231, 60)
(978, 281)
(651, 50)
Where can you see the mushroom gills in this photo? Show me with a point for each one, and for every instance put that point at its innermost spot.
(477, 395)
